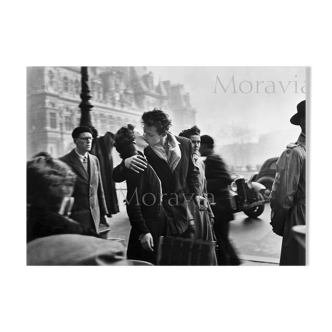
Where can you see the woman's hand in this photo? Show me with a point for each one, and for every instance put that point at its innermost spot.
(147, 242)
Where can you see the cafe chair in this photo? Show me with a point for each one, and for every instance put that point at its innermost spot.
(179, 251)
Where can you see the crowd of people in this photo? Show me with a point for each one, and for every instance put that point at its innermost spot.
(171, 192)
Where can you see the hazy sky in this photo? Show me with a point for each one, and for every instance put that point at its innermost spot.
(263, 98)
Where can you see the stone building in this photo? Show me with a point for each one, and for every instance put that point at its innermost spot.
(119, 94)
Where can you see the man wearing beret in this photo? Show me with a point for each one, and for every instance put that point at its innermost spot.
(288, 193)
(89, 206)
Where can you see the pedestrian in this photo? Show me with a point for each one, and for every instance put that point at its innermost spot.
(218, 180)
(171, 158)
(89, 206)
(203, 219)
(143, 201)
(50, 184)
(75, 249)
(288, 193)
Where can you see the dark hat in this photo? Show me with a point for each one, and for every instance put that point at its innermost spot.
(295, 119)
(206, 139)
(79, 130)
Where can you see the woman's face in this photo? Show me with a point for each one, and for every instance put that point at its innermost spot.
(141, 144)
(68, 190)
(196, 143)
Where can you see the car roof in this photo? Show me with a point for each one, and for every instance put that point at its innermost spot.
(271, 159)
(268, 162)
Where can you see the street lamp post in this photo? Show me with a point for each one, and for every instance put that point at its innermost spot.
(85, 104)
(86, 108)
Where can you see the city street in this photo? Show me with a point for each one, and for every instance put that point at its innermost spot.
(253, 239)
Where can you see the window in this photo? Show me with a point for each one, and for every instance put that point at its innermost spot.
(68, 125)
(273, 165)
(65, 84)
(50, 79)
(77, 87)
(53, 120)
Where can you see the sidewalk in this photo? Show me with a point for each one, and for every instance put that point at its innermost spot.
(120, 229)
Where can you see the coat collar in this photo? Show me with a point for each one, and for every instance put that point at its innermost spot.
(77, 165)
(302, 140)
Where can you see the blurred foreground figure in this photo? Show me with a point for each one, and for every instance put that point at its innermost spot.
(73, 249)
(218, 180)
(288, 193)
(50, 183)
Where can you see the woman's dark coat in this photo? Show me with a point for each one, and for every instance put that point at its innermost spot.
(145, 212)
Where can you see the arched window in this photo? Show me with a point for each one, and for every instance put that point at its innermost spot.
(68, 123)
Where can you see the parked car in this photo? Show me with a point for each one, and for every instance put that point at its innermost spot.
(267, 174)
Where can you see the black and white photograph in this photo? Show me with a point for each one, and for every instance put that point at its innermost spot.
(179, 165)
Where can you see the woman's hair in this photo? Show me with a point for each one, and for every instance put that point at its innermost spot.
(124, 139)
(158, 119)
(47, 181)
(190, 132)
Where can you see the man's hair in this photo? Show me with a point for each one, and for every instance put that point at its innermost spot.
(208, 141)
(79, 130)
(46, 181)
(124, 139)
(158, 119)
(190, 132)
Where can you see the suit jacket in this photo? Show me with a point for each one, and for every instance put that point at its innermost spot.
(173, 184)
(88, 193)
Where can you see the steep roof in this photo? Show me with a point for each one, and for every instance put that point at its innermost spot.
(137, 74)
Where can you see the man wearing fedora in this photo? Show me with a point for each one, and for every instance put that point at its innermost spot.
(288, 193)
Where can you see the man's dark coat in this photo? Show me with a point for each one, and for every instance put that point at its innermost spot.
(88, 193)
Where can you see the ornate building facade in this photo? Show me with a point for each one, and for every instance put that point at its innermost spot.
(120, 95)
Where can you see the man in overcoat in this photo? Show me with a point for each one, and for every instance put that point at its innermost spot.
(218, 179)
(102, 147)
(288, 193)
(89, 206)
(171, 158)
